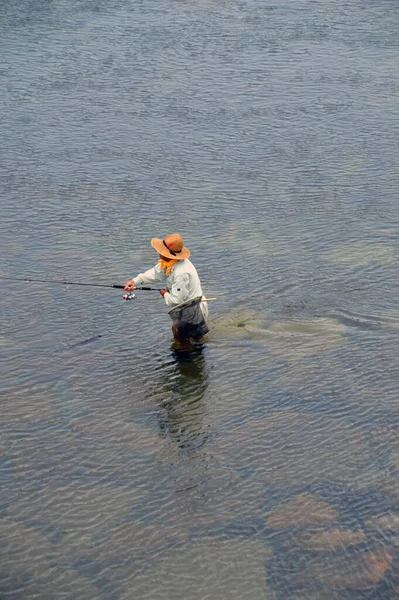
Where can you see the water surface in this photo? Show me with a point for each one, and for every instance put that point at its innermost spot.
(262, 463)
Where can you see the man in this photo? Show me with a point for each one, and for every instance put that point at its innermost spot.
(183, 293)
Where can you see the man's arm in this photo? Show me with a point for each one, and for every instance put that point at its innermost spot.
(153, 275)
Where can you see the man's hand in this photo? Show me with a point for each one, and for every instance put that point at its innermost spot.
(163, 292)
(129, 286)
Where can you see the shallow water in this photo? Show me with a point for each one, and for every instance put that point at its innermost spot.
(264, 462)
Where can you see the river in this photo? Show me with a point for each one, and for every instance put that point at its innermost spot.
(262, 463)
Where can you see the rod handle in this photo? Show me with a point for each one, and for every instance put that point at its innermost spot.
(146, 289)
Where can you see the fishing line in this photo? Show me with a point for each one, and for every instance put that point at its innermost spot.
(102, 285)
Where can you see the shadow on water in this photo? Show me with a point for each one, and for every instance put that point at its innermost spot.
(183, 386)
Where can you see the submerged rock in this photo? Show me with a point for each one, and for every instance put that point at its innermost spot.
(288, 337)
(85, 508)
(235, 322)
(327, 540)
(388, 522)
(25, 404)
(116, 432)
(24, 549)
(225, 404)
(59, 581)
(390, 319)
(389, 435)
(359, 571)
(218, 570)
(305, 327)
(319, 594)
(361, 254)
(118, 541)
(291, 449)
(248, 236)
(296, 338)
(391, 487)
(372, 477)
(303, 509)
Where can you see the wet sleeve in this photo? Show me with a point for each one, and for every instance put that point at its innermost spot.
(179, 291)
(153, 275)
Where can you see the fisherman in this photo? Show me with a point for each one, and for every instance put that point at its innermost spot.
(189, 309)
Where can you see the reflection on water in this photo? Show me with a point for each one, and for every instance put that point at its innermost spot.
(181, 403)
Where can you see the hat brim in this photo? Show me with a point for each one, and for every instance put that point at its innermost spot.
(159, 246)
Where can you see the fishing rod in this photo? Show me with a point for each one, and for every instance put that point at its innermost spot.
(102, 285)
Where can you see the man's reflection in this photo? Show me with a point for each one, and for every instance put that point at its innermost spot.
(182, 404)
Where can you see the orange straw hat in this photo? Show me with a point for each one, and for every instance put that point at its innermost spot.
(172, 246)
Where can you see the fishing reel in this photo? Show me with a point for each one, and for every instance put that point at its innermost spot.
(129, 296)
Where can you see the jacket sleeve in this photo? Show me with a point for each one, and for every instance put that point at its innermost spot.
(179, 291)
(153, 275)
